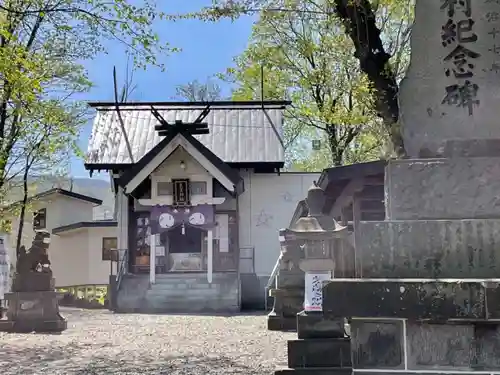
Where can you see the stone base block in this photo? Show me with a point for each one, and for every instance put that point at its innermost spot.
(315, 371)
(452, 188)
(33, 282)
(408, 372)
(451, 249)
(281, 323)
(319, 353)
(389, 344)
(433, 300)
(33, 311)
(315, 325)
(28, 326)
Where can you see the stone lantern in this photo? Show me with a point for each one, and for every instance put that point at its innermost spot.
(312, 243)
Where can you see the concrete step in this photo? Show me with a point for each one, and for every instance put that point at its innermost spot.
(207, 293)
(315, 371)
(166, 286)
(334, 352)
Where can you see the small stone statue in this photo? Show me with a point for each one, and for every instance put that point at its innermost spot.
(33, 303)
(37, 258)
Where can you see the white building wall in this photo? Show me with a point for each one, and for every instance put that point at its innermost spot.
(76, 257)
(68, 254)
(99, 270)
(266, 206)
(65, 210)
(61, 211)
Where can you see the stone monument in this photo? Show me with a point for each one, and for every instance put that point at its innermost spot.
(321, 344)
(32, 304)
(426, 297)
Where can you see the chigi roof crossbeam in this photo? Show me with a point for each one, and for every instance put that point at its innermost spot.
(194, 128)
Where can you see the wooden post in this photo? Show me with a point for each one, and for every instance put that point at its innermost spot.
(210, 255)
(152, 258)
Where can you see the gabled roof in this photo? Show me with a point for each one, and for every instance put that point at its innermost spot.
(63, 192)
(240, 132)
(154, 158)
(334, 180)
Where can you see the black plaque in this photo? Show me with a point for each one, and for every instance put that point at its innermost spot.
(487, 347)
(443, 346)
(377, 344)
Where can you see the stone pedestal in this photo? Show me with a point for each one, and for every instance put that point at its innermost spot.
(289, 292)
(316, 325)
(33, 305)
(415, 326)
(288, 302)
(322, 347)
(33, 312)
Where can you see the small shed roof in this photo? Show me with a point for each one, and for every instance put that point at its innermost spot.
(335, 180)
(63, 192)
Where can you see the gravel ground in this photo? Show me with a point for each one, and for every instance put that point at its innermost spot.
(100, 342)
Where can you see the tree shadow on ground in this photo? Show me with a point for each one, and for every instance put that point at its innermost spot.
(68, 361)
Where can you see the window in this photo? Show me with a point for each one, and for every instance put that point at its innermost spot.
(109, 248)
(163, 188)
(181, 192)
(40, 219)
(198, 187)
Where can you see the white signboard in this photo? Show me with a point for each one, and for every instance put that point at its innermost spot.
(222, 232)
(4, 266)
(160, 251)
(313, 300)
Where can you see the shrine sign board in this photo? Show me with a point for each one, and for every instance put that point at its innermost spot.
(313, 300)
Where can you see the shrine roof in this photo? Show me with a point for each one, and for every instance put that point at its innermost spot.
(239, 132)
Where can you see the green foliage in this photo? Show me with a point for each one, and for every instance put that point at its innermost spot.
(42, 46)
(308, 58)
(196, 91)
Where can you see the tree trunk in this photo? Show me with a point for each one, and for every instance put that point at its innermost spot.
(359, 20)
(336, 150)
(22, 214)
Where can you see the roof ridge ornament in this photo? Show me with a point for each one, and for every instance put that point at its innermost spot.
(196, 127)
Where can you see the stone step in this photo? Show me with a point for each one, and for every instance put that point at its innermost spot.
(282, 323)
(202, 277)
(428, 249)
(435, 300)
(191, 306)
(209, 293)
(315, 371)
(333, 352)
(184, 286)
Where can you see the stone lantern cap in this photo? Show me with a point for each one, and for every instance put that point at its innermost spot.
(316, 225)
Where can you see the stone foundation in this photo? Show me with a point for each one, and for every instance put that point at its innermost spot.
(413, 347)
(33, 312)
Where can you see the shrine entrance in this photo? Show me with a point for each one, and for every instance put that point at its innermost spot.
(185, 249)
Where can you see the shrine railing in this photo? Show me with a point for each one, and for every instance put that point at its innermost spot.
(272, 278)
(121, 267)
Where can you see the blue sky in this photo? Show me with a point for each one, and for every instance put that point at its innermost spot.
(207, 49)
